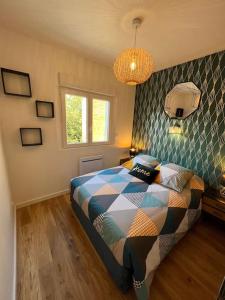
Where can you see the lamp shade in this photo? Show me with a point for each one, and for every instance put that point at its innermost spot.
(133, 66)
(176, 129)
(222, 185)
(132, 152)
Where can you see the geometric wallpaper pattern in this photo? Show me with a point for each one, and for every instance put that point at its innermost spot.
(201, 147)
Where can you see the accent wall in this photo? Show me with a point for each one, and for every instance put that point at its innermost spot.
(202, 145)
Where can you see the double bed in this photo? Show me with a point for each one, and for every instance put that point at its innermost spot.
(133, 225)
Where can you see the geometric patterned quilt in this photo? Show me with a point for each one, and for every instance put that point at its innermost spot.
(140, 223)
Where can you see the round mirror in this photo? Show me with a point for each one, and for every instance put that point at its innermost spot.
(182, 100)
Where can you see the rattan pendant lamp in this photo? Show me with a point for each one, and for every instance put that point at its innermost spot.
(133, 65)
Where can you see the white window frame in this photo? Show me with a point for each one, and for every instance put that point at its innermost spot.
(90, 96)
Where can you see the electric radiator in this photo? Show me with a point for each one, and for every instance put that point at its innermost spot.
(91, 164)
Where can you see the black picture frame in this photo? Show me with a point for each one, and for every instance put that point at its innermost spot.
(4, 83)
(48, 104)
(23, 132)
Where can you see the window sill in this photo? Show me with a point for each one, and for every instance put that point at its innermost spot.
(70, 146)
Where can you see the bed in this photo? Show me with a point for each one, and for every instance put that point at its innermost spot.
(133, 225)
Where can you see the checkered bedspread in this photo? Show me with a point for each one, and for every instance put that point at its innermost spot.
(140, 223)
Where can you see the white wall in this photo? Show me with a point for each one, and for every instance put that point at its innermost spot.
(44, 170)
(6, 233)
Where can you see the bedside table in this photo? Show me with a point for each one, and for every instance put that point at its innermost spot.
(123, 160)
(214, 204)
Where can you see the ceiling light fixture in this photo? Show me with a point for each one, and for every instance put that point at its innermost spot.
(133, 65)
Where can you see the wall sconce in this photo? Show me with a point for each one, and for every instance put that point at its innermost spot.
(175, 129)
(132, 152)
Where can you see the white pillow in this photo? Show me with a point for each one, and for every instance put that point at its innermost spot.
(174, 176)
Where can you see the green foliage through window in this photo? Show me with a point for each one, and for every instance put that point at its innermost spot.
(100, 120)
(76, 119)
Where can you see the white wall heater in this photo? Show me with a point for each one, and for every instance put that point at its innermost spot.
(91, 164)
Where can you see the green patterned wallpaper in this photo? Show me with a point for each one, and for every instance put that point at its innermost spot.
(202, 145)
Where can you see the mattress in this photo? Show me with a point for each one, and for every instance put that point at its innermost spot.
(138, 223)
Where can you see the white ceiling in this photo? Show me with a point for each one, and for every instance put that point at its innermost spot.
(174, 31)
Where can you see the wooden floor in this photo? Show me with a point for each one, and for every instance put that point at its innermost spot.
(56, 260)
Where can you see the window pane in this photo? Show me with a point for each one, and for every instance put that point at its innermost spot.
(100, 120)
(76, 119)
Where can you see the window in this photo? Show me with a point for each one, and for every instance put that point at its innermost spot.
(100, 119)
(76, 119)
(86, 118)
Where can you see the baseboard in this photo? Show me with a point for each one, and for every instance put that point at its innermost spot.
(40, 199)
(14, 256)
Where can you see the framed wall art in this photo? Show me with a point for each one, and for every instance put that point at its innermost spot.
(16, 83)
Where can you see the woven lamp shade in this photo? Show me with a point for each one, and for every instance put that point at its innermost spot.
(133, 66)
